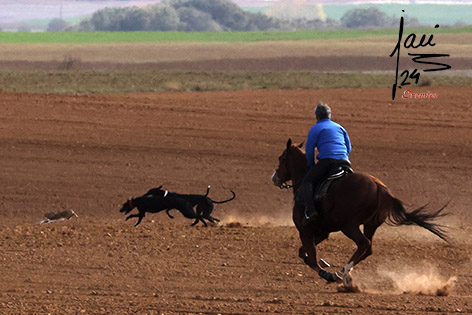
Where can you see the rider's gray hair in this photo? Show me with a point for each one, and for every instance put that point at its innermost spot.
(322, 111)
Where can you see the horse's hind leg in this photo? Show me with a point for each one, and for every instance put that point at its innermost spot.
(369, 231)
(363, 247)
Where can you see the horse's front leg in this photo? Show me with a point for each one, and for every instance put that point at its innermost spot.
(317, 239)
(308, 250)
(302, 252)
(308, 253)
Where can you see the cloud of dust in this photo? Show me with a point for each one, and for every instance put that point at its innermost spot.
(297, 9)
(424, 281)
(258, 220)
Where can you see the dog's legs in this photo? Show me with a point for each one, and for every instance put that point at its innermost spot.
(189, 213)
(141, 216)
(132, 216)
(199, 219)
(203, 210)
(167, 211)
(215, 219)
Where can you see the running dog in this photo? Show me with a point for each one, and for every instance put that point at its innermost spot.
(154, 204)
(205, 204)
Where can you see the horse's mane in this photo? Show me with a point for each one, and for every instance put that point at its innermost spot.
(301, 155)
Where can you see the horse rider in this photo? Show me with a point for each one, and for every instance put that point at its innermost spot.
(334, 146)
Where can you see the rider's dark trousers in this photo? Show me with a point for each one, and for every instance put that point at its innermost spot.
(314, 175)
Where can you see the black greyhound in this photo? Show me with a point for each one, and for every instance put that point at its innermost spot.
(156, 204)
(204, 203)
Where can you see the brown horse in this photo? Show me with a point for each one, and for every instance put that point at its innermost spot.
(354, 200)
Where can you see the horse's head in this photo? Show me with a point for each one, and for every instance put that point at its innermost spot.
(288, 161)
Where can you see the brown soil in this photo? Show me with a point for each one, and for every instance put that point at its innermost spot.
(90, 153)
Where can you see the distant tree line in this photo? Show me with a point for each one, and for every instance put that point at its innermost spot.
(179, 15)
(373, 18)
(216, 16)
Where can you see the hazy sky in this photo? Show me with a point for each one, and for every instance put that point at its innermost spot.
(18, 10)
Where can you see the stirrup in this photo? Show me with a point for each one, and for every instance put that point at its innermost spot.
(308, 219)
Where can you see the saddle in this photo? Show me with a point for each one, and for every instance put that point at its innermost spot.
(336, 172)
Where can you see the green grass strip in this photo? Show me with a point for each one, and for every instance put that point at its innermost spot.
(162, 81)
(107, 37)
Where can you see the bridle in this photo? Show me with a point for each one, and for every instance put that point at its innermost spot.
(284, 185)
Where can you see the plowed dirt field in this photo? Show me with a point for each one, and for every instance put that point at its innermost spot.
(90, 153)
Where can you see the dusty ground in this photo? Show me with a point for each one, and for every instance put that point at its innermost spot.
(90, 153)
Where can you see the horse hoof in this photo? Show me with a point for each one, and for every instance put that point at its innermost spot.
(339, 278)
(347, 281)
(328, 276)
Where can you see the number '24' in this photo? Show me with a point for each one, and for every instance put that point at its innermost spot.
(415, 75)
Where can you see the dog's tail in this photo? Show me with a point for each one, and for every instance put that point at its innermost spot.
(224, 201)
(208, 191)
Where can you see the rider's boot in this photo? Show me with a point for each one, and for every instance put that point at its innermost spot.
(310, 211)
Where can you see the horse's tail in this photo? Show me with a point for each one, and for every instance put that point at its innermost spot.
(399, 216)
(227, 200)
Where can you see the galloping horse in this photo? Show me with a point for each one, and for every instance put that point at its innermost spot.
(354, 200)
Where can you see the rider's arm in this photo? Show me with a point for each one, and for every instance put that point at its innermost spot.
(347, 142)
(310, 145)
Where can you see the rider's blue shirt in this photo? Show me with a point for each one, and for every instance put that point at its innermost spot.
(330, 138)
